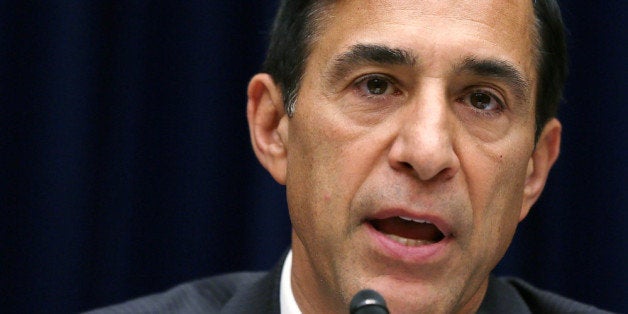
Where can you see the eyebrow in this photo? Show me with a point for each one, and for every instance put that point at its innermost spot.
(362, 54)
(499, 69)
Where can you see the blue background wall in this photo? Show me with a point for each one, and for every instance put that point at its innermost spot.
(126, 165)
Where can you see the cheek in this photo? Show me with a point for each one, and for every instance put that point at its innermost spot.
(317, 185)
(495, 171)
(495, 191)
(495, 176)
(332, 154)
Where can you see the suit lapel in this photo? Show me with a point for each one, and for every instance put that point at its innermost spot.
(262, 296)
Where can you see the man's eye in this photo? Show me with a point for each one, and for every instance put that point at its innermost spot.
(484, 101)
(376, 86)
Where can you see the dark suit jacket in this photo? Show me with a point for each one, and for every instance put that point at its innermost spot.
(258, 292)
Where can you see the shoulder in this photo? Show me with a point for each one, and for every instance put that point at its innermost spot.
(538, 300)
(208, 295)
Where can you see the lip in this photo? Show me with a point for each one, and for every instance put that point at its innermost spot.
(423, 254)
(438, 221)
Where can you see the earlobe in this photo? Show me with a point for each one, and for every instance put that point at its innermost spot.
(268, 125)
(542, 159)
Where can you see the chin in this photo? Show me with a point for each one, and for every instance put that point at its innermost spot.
(402, 305)
(411, 297)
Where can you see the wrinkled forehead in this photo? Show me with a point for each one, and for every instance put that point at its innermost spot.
(441, 33)
(509, 24)
(491, 12)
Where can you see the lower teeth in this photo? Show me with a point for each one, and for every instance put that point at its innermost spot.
(408, 242)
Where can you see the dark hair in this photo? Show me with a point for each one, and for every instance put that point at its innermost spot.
(552, 64)
(296, 27)
(291, 37)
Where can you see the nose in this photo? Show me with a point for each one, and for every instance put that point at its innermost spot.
(423, 145)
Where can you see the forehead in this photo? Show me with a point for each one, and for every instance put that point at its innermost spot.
(485, 11)
(434, 29)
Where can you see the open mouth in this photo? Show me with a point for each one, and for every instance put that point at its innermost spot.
(408, 231)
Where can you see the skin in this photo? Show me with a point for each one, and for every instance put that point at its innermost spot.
(420, 148)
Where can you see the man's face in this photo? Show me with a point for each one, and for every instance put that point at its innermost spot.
(409, 150)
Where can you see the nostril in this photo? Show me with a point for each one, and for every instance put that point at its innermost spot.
(421, 174)
(430, 163)
(447, 173)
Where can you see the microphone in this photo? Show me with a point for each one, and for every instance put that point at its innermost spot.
(368, 301)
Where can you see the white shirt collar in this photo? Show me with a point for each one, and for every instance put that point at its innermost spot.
(287, 303)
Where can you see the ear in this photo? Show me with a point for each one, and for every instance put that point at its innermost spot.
(268, 125)
(544, 155)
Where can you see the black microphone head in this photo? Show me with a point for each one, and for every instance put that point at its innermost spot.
(368, 301)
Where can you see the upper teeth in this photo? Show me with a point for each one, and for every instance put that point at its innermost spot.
(415, 220)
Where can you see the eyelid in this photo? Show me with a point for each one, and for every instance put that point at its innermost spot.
(366, 77)
(490, 91)
(358, 87)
